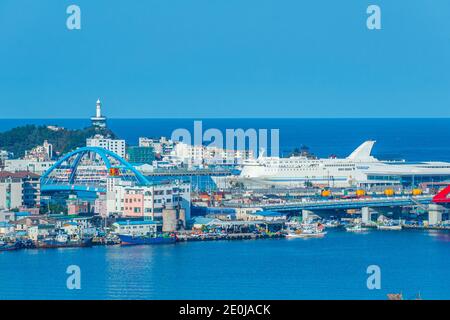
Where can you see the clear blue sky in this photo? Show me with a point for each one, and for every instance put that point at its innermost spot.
(225, 58)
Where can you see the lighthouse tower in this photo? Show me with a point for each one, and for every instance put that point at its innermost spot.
(98, 120)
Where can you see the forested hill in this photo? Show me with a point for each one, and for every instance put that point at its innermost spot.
(23, 138)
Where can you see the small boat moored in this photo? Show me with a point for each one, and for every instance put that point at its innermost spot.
(63, 241)
(389, 227)
(314, 230)
(126, 239)
(356, 228)
(8, 246)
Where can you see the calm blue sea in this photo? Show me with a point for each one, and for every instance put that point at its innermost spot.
(334, 267)
(331, 268)
(410, 139)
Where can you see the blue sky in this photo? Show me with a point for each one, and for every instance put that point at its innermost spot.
(225, 58)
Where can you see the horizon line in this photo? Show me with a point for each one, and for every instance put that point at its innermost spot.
(232, 118)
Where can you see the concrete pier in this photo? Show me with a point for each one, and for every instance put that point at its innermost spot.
(435, 214)
(366, 215)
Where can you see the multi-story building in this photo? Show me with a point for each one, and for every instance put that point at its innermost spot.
(161, 146)
(37, 167)
(4, 155)
(40, 153)
(140, 155)
(199, 155)
(115, 145)
(127, 200)
(19, 189)
(37, 160)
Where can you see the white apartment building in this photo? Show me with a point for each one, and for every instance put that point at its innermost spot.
(10, 195)
(40, 153)
(38, 167)
(162, 146)
(116, 146)
(4, 155)
(126, 200)
(199, 155)
(19, 189)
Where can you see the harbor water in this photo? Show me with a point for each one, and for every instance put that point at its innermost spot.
(333, 267)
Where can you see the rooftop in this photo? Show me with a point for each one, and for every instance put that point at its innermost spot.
(203, 220)
(135, 222)
(68, 217)
(18, 174)
(5, 224)
(23, 214)
(268, 213)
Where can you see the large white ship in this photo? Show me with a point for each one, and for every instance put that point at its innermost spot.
(360, 168)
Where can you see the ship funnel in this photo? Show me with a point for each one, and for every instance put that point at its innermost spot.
(362, 153)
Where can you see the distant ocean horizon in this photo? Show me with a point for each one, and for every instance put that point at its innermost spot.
(411, 139)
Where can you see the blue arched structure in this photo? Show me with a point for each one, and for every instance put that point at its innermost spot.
(87, 169)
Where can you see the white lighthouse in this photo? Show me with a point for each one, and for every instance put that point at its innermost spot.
(98, 120)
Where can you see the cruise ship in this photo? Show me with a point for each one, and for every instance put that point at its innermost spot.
(359, 169)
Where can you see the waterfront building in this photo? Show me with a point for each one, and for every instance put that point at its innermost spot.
(23, 224)
(19, 189)
(264, 216)
(32, 220)
(40, 231)
(127, 200)
(202, 222)
(83, 221)
(70, 228)
(117, 146)
(136, 227)
(6, 228)
(9, 216)
(98, 120)
(140, 155)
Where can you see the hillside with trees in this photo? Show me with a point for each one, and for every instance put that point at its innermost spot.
(20, 139)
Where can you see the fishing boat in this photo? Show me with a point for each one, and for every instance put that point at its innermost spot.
(8, 246)
(389, 227)
(332, 224)
(315, 230)
(356, 228)
(395, 296)
(63, 241)
(126, 239)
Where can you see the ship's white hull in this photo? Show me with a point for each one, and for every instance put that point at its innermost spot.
(357, 169)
